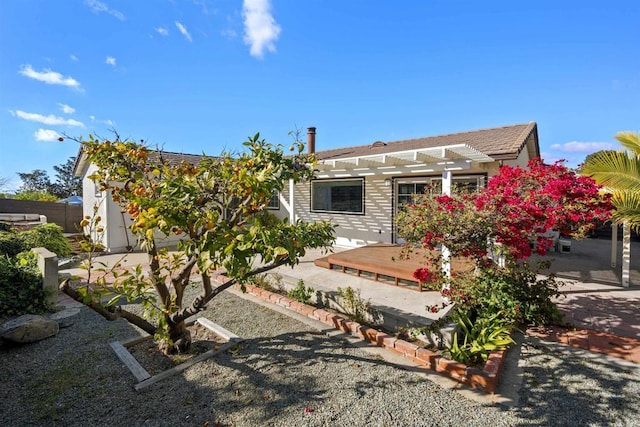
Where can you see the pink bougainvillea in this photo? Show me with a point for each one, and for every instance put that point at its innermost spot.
(527, 203)
(425, 276)
(516, 209)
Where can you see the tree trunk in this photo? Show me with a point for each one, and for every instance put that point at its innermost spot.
(179, 338)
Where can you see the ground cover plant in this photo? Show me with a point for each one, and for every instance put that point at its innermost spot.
(302, 293)
(217, 207)
(511, 218)
(21, 289)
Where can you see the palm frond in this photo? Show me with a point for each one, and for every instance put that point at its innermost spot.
(630, 140)
(627, 204)
(614, 170)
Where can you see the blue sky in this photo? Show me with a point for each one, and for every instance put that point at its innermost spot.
(201, 75)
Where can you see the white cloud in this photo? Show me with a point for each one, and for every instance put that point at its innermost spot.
(49, 77)
(66, 109)
(229, 33)
(109, 122)
(162, 31)
(98, 7)
(582, 147)
(92, 118)
(184, 31)
(111, 61)
(203, 6)
(46, 135)
(73, 57)
(260, 29)
(50, 120)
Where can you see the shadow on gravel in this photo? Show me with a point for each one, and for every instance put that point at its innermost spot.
(608, 313)
(291, 372)
(75, 379)
(564, 387)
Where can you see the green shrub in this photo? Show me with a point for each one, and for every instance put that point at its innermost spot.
(515, 293)
(271, 282)
(355, 306)
(11, 244)
(38, 196)
(475, 339)
(301, 293)
(49, 236)
(21, 289)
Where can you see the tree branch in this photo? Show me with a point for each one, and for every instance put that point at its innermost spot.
(238, 214)
(106, 312)
(136, 320)
(159, 285)
(178, 282)
(200, 302)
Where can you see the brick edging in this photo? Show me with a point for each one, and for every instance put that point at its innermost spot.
(485, 378)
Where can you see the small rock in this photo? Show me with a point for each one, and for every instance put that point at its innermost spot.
(28, 328)
(66, 317)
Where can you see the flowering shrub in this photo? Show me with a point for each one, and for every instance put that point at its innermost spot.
(526, 203)
(516, 209)
(425, 276)
(513, 214)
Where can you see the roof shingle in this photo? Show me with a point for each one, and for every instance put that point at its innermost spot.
(500, 143)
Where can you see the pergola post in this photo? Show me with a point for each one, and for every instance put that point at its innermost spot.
(446, 255)
(614, 244)
(626, 253)
(292, 206)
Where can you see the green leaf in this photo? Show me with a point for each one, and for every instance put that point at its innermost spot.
(280, 251)
(114, 300)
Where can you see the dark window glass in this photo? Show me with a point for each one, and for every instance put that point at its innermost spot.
(338, 196)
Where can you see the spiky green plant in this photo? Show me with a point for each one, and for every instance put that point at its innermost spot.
(619, 172)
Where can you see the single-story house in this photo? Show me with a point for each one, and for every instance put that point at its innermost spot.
(360, 188)
(116, 237)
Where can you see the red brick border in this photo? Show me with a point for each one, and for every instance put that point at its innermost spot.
(485, 378)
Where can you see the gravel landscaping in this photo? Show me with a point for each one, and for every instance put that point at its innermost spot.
(286, 373)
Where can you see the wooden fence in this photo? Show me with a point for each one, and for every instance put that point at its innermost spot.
(65, 215)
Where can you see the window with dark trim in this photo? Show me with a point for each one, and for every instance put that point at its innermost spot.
(340, 195)
(274, 203)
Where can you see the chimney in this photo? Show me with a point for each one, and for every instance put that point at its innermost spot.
(311, 140)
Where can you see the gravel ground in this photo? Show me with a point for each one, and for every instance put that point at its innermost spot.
(287, 374)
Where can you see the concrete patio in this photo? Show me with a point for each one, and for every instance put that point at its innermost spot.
(592, 294)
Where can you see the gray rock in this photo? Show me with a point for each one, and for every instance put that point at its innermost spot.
(66, 317)
(28, 328)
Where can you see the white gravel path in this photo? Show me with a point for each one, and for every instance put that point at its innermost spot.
(287, 374)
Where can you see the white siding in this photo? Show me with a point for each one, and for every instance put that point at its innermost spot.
(353, 230)
(376, 225)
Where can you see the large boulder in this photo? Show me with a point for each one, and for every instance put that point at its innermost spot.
(28, 328)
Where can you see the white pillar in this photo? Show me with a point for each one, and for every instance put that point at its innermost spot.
(626, 253)
(292, 207)
(446, 183)
(446, 255)
(614, 244)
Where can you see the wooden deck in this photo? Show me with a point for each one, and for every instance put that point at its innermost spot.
(381, 262)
